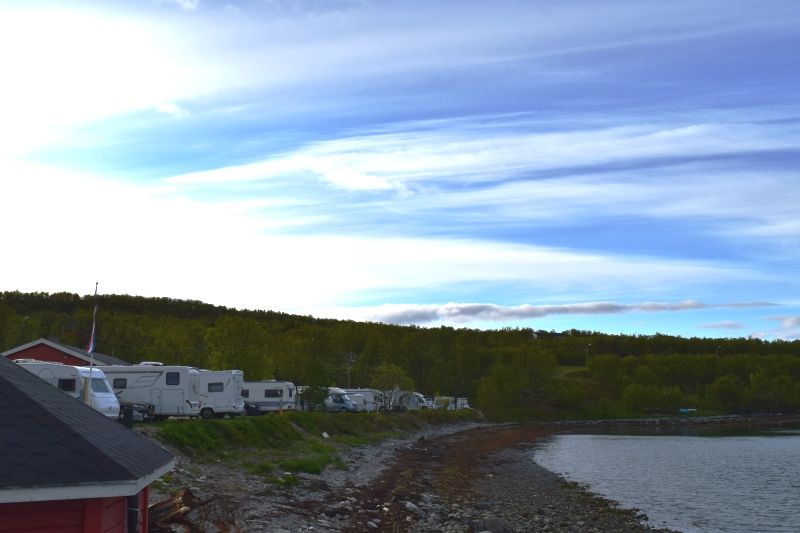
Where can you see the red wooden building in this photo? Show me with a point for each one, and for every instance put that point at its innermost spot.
(65, 467)
(46, 350)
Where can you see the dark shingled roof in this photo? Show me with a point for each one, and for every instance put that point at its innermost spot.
(49, 439)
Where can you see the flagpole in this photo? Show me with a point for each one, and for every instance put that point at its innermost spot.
(90, 349)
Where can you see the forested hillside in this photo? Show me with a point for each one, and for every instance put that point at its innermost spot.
(509, 372)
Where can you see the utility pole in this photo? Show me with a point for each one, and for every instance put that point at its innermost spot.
(349, 358)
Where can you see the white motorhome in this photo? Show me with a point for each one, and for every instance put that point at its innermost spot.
(166, 390)
(221, 393)
(372, 397)
(269, 395)
(450, 403)
(77, 381)
(360, 401)
(410, 401)
(338, 401)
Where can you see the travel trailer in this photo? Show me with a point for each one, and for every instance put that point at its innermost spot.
(77, 381)
(268, 396)
(221, 393)
(372, 397)
(338, 401)
(165, 390)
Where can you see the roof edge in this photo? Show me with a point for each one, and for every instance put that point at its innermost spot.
(60, 347)
(83, 491)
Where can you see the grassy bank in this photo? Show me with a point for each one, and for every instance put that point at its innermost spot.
(278, 445)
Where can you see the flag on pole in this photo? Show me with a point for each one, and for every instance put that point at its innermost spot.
(87, 383)
(90, 346)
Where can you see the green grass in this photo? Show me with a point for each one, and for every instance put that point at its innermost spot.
(274, 446)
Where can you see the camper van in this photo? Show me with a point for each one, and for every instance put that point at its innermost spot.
(221, 393)
(165, 390)
(338, 401)
(266, 396)
(373, 398)
(77, 381)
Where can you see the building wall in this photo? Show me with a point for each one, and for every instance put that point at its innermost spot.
(64, 516)
(43, 352)
(99, 515)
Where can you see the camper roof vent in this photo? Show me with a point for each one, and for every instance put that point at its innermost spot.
(151, 363)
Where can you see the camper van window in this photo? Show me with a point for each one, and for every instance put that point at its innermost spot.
(290, 393)
(99, 385)
(273, 393)
(173, 378)
(245, 393)
(120, 383)
(67, 385)
(216, 387)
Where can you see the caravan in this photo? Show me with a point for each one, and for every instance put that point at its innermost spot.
(77, 381)
(164, 390)
(265, 396)
(221, 393)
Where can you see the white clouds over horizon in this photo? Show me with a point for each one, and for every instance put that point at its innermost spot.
(551, 160)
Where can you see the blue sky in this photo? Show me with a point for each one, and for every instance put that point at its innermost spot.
(626, 167)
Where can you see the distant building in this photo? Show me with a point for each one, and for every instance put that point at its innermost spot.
(66, 467)
(54, 352)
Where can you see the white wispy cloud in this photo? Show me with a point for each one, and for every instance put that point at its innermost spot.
(788, 327)
(403, 158)
(233, 260)
(507, 173)
(724, 324)
(467, 312)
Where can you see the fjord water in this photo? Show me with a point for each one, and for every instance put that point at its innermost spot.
(692, 483)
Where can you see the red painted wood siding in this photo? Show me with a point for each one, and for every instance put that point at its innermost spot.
(143, 497)
(65, 516)
(43, 352)
(114, 515)
(100, 515)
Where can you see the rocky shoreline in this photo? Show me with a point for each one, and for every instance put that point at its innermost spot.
(452, 479)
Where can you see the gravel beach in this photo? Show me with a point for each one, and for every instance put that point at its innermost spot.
(467, 478)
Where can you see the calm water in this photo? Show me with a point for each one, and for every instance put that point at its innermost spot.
(690, 483)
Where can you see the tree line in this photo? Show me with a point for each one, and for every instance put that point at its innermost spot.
(514, 372)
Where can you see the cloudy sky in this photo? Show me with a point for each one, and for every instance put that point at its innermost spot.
(627, 166)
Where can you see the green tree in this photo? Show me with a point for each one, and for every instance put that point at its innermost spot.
(239, 343)
(391, 380)
(726, 394)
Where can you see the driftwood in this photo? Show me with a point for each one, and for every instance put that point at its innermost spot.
(185, 513)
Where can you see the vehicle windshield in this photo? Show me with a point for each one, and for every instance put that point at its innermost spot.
(100, 385)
